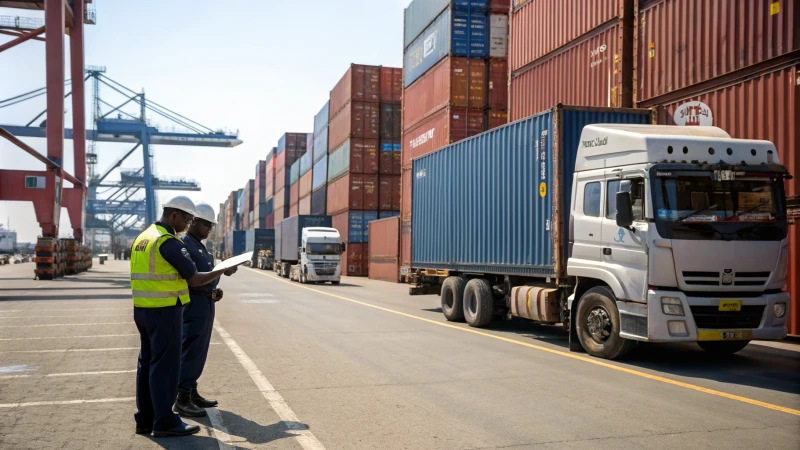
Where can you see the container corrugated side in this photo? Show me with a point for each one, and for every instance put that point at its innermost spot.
(355, 120)
(389, 157)
(294, 172)
(442, 128)
(321, 118)
(420, 14)
(306, 162)
(539, 27)
(391, 84)
(360, 83)
(319, 174)
(305, 184)
(355, 262)
(356, 192)
(353, 156)
(684, 42)
(478, 205)
(294, 194)
(497, 97)
(321, 144)
(391, 121)
(389, 193)
(304, 205)
(319, 200)
(384, 249)
(498, 36)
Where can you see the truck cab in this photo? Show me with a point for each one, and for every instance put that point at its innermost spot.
(676, 235)
(320, 256)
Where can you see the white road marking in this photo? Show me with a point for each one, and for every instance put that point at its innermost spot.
(71, 350)
(260, 302)
(68, 374)
(254, 294)
(66, 337)
(304, 436)
(67, 309)
(67, 402)
(65, 325)
(219, 430)
(58, 317)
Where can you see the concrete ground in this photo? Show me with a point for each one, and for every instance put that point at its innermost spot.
(365, 366)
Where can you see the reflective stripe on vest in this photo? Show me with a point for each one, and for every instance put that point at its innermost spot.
(154, 281)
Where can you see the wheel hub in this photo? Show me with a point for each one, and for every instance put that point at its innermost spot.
(598, 322)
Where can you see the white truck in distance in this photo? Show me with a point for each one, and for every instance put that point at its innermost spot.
(320, 257)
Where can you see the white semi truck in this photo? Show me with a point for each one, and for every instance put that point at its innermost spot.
(632, 232)
(308, 250)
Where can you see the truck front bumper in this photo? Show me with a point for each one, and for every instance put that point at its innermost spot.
(311, 274)
(703, 319)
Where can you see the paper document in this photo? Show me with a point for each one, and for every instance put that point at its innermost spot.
(235, 261)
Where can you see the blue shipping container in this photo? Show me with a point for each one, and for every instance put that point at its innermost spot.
(456, 33)
(387, 214)
(238, 242)
(321, 144)
(320, 174)
(420, 14)
(497, 215)
(305, 162)
(321, 119)
(358, 226)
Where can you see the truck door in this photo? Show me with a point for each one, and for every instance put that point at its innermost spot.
(624, 250)
(587, 244)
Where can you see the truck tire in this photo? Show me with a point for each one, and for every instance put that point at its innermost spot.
(598, 325)
(453, 298)
(335, 283)
(478, 303)
(287, 270)
(723, 347)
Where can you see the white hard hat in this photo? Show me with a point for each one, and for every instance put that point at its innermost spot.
(206, 212)
(181, 203)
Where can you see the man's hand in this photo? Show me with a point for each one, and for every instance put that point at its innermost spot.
(231, 271)
(219, 295)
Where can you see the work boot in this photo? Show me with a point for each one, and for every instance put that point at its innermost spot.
(185, 407)
(181, 430)
(198, 400)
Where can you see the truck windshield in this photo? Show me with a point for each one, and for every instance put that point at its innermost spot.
(323, 249)
(728, 206)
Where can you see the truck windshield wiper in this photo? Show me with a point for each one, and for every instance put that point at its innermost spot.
(695, 227)
(694, 213)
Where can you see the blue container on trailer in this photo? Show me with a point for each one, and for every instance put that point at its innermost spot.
(487, 204)
(239, 238)
(420, 14)
(320, 174)
(454, 32)
(358, 226)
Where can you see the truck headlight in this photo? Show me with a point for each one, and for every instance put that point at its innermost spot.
(783, 265)
(677, 328)
(780, 310)
(672, 306)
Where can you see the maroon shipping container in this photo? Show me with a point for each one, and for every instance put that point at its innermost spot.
(584, 74)
(357, 120)
(391, 120)
(304, 206)
(270, 180)
(684, 42)
(260, 183)
(269, 222)
(498, 84)
(359, 84)
(389, 163)
(358, 192)
(442, 128)
(384, 250)
(294, 209)
(405, 193)
(501, 6)
(405, 243)
(355, 261)
(539, 27)
(304, 185)
(363, 157)
(294, 193)
(389, 193)
(761, 107)
(496, 118)
(280, 199)
(455, 82)
(391, 85)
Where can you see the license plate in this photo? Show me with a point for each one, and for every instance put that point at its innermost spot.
(730, 305)
(724, 335)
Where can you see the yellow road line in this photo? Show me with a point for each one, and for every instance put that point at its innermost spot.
(590, 360)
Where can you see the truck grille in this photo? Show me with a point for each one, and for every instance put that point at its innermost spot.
(743, 279)
(324, 268)
(711, 317)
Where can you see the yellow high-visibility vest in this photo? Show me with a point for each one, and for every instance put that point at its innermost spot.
(154, 281)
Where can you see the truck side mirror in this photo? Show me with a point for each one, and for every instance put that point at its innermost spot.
(624, 210)
(344, 247)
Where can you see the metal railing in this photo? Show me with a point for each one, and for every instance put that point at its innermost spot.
(20, 23)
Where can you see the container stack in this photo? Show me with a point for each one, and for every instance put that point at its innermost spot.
(240, 211)
(248, 198)
(305, 181)
(260, 195)
(319, 178)
(272, 165)
(497, 65)
(294, 188)
(391, 123)
(291, 147)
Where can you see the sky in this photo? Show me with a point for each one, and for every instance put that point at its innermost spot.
(260, 67)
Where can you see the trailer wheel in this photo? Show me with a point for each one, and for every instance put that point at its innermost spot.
(287, 270)
(478, 303)
(453, 298)
(598, 325)
(723, 347)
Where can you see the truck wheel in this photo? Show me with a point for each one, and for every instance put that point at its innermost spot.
(286, 270)
(478, 303)
(723, 347)
(598, 325)
(303, 279)
(335, 283)
(453, 298)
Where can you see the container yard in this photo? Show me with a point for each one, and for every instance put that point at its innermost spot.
(604, 193)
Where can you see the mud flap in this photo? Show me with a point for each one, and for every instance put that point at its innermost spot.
(574, 342)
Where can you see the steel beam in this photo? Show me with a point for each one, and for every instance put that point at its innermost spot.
(21, 37)
(43, 196)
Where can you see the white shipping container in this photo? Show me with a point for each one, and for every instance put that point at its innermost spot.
(498, 36)
(8, 241)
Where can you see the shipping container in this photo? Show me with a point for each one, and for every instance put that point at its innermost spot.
(306, 162)
(454, 82)
(294, 209)
(281, 213)
(537, 28)
(294, 143)
(389, 193)
(354, 225)
(235, 242)
(498, 84)
(391, 120)
(506, 168)
(389, 158)
(259, 239)
(304, 205)
(762, 107)
(684, 42)
(405, 194)
(501, 6)
(357, 192)
(289, 235)
(294, 172)
(305, 185)
(321, 132)
(282, 198)
(294, 193)
(496, 118)
(355, 260)
(454, 33)
(391, 85)
(355, 120)
(319, 176)
(387, 214)
(359, 84)
(384, 250)
(260, 188)
(498, 35)
(353, 156)
(269, 221)
(583, 73)
(405, 242)
(420, 14)
(272, 163)
(442, 128)
(319, 201)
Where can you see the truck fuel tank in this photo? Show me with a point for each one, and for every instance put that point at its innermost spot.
(535, 303)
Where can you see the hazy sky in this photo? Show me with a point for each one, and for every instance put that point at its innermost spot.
(260, 67)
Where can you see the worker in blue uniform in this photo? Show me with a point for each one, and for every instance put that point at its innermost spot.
(161, 273)
(198, 317)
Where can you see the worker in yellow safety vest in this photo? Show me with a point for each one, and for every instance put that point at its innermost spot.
(161, 273)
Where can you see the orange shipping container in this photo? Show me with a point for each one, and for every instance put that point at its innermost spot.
(359, 84)
(442, 128)
(459, 82)
(304, 206)
(355, 261)
(405, 197)
(305, 184)
(355, 120)
(391, 85)
(294, 193)
(294, 209)
(278, 215)
(389, 193)
(384, 249)
(358, 192)
(280, 198)
(498, 84)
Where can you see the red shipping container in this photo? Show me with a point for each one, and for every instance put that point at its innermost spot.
(496, 118)
(443, 128)
(355, 261)
(294, 210)
(405, 243)
(584, 74)
(305, 184)
(359, 84)
(280, 199)
(389, 193)
(501, 6)
(457, 82)
(294, 193)
(304, 206)
(355, 120)
(539, 27)
(389, 161)
(358, 192)
(498, 84)
(270, 180)
(761, 107)
(269, 222)
(405, 195)
(391, 85)
(384, 250)
(684, 42)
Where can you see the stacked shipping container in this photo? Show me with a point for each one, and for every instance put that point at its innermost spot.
(305, 180)
(260, 209)
(319, 177)
(291, 148)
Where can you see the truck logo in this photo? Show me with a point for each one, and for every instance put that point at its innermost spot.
(620, 236)
(727, 277)
(596, 142)
(693, 114)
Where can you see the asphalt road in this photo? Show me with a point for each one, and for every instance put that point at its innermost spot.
(365, 366)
